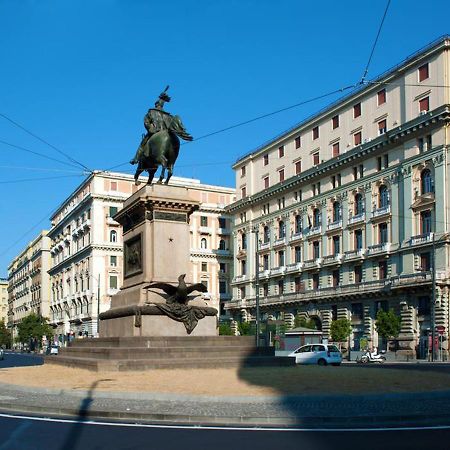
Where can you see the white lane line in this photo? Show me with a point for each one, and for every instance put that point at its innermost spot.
(205, 427)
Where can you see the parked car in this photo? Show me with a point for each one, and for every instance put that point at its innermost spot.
(54, 349)
(321, 354)
(2, 354)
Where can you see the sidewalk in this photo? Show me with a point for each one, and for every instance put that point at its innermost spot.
(312, 411)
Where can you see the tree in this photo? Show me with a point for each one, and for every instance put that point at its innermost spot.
(33, 327)
(303, 322)
(5, 335)
(388, 324)
(340, 330)
(246, 329)
(225, 330)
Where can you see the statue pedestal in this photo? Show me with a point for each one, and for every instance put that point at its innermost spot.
(156, 241)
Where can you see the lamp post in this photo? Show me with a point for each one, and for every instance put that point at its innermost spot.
(98, 305)
(257, 285)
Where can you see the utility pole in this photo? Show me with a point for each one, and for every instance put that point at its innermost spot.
(433, 299)
(257, 285)
(98, 305)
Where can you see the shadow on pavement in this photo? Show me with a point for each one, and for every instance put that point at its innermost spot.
(74, 435)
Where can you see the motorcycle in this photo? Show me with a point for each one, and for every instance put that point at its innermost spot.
(369, 357)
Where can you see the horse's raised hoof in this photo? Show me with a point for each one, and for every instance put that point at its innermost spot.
(137, 182)
(159, 182)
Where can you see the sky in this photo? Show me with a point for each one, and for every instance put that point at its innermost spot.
(78, 76)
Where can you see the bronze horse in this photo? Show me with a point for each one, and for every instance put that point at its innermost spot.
(161, 149)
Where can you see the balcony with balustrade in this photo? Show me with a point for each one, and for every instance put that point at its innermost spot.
(378, 249)
(421, 239)
(381, 212)
(296, 237)
(333, 259)
(313, 231)
(359, 218)
(355, 254)
(334, 225)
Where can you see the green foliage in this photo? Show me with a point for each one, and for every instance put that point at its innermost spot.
(33, 326)
(225, 330)
(246, 329)
(388, 324)
(340, 330)
(5, 335)
(305, 323)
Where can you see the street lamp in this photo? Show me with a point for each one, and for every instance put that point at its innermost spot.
(257, 285)
(97, 279)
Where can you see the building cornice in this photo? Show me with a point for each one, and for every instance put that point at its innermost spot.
(378, 145)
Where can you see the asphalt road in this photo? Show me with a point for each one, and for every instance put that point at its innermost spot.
(31, 434)
(20, 360)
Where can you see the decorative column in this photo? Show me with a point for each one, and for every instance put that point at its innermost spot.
(407, 337)
(368, 324)
(326, 323)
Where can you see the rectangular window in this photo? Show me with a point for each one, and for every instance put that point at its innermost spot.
(379, 163)
(336, 245)
(222, 287)
(420, 143)
(265, 289)
(424, 306)
(298, 285)
(266, 182)
(298, 167)
(382, 126)
(386, 161)
(203, 221)
(315, 133)
(204, 267)
(335, 149)
(223, 267)
(356, 110)
(316, 250)
(298, 142)
(113, 261)
(355, 173)
(114, 185)
(243, 267)
(382, 270)
(381, 97)
(316, 159)
(423, 72)
(113, 282)
(244, 192)
(298, 254)
(266, 262)
(242, 292)
(425, 261)
(243, 171)
(281, 151)
(383, 233)
(358, 240)
(222, 222)
(281, 258)
(357, 138)
(334, 312)
(357, 311)
(358, 274)
(335, 122)
(281, 175)
(424, 105)
(316, 281)
(280, 287)
(336, 278)
(266, 159)
(426, 222)
(112, 210)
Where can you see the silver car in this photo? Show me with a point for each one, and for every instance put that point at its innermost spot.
(321, 354)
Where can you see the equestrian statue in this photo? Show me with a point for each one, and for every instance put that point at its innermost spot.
(160, 146)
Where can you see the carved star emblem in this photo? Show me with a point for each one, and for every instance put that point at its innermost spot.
(171, 239)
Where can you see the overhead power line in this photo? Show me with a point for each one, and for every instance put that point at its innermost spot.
(42, 155)
(26, 180)
(45, 142)
(375, 43)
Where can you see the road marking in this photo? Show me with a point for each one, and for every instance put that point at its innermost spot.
(224, 428)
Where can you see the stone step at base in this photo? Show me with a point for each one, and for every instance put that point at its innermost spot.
(163, 352)
(161, 341)
(145, 364)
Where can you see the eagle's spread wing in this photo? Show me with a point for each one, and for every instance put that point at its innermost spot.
(197, 287)
(167, 288)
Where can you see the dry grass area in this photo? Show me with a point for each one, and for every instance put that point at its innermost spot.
(238, 382)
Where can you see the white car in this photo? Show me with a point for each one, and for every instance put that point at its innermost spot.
(321, 354)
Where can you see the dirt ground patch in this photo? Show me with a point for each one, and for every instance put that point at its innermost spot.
(232, 381)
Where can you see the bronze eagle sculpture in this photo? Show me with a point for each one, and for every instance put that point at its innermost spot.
(178, 294)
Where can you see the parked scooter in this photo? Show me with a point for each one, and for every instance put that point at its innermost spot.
(373, 357)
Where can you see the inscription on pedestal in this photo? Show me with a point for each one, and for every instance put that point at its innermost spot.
(172, 216)
(133, 256)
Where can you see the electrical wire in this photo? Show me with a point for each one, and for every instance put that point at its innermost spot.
(18, 147)
(42, 169)
(45, 142)
(407, 84)
(25, 180)
(375, 43)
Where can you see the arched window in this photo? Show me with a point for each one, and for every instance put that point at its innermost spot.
(203, 243)
(281, 230)
(266, 234)
(316, 218)
(113, 236)
(222, 245)
(384, 196)
(359, 204)
(336, 212)
(426, 182)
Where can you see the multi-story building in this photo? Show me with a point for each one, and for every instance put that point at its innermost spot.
(350, 210)
(87, 248)
(4, 300)
(29, 282)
